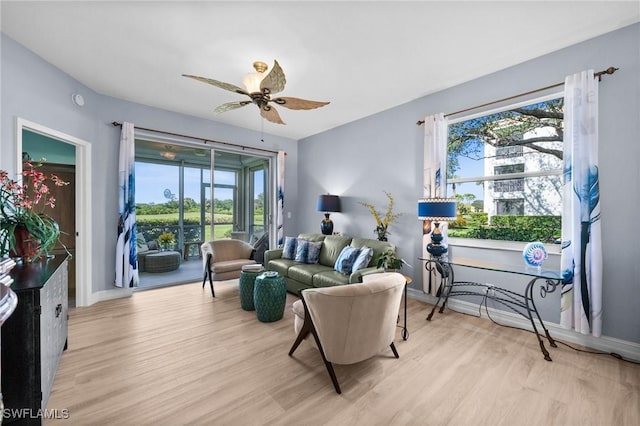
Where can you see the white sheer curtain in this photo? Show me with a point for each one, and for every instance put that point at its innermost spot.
(581, 238)
(280, 207)
(126, 254)
(435, 173)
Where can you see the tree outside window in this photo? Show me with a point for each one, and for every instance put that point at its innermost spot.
(505, 169)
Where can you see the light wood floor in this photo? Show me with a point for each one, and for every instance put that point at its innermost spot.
(176, 356)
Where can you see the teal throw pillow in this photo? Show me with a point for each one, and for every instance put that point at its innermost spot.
(345, 260)
(313, 255)
(289, 249)
(363, 259)
(302, 250)
(307, 251)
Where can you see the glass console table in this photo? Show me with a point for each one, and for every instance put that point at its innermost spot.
(520, 303)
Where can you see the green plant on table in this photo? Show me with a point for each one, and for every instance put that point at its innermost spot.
(389, 260)
(165, 239)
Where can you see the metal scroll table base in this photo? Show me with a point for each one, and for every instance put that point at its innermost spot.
(522, 304)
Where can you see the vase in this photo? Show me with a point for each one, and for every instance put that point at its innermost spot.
(381, 231)
(27, 247)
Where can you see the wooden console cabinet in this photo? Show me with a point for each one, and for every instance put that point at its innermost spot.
(33, 338)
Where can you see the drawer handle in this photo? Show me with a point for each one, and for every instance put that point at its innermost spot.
(58, 310)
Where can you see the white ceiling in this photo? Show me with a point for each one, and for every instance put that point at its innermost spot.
(363, 57)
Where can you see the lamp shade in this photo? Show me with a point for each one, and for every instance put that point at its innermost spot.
(436, 209)
(328, 203)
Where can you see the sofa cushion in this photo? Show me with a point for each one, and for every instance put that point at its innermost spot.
(346, 259)
(305, 273)
(141, 243)
(378, 247)
(364, 258)
(289, 249)
(281, 266)
(331, 248)
(329, 278)
(312, 237)
(231, 265)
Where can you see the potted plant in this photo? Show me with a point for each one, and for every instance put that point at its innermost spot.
(383, 222)
(165, 239)
(390, 261)
(26, 232)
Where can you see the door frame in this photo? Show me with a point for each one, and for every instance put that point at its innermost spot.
(84, 244)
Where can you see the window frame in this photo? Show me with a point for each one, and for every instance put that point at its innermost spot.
(500, 244)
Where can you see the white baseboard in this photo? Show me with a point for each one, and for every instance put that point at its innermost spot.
(114, 293)
(626, 349)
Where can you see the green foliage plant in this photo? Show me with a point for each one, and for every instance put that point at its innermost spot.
(390, 260)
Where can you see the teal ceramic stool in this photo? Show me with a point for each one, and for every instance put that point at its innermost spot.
(269, 297)
(247, 281)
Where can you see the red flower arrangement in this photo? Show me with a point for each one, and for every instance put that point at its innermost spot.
(25, 231)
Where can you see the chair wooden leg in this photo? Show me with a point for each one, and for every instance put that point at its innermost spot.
(304, 332)
(213, 293)
(327, 364)
(395, 352)
(207, 273)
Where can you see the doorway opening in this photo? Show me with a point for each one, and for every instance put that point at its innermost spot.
(187, 195)
(70, 158)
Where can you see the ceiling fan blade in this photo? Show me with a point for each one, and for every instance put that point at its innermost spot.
(226, 86)
(297, 103)
(271, 114)
(274, 81)
(231, 105)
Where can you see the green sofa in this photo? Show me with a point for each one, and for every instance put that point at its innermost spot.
(322, 274)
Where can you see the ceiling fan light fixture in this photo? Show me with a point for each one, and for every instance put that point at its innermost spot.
(168, 155)
(259, 88)
(252, 81)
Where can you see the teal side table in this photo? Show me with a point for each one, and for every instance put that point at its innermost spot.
(269, 297)
(247, 281)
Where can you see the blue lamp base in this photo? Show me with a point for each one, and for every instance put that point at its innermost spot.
(435, 248)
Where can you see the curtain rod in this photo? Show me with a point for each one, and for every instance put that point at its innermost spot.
(599, 75)
(115, 123)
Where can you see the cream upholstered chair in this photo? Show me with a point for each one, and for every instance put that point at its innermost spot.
(350, 323)
(224, 259)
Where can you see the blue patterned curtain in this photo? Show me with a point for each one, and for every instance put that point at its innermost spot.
(435, 185)
(581, 238)
(280, 207)
(126, 256)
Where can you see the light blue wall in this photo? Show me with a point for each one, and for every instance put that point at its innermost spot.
(385, 152)
(360, 160)
(35, 90)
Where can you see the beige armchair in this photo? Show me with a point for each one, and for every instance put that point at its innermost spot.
(224, 259)
(350, 323)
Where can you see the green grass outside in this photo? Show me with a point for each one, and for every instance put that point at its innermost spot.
(222, 230)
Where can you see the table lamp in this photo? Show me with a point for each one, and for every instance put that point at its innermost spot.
(436, 210)
(328, 203)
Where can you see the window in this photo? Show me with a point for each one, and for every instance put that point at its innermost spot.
(505, 169)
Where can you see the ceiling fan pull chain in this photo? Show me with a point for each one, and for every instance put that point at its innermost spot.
(262, 129)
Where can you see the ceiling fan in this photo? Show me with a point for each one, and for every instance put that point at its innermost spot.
(259, 88)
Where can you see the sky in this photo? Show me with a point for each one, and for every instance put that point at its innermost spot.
(152, 180)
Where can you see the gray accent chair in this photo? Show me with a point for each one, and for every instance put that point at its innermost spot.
(224, 259)
(350, 323)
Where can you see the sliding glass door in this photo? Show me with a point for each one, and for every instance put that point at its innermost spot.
(190, 195)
